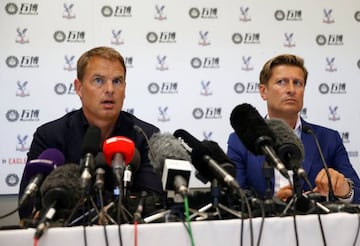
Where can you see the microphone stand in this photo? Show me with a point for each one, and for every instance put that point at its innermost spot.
(215, 204)
(268, 173)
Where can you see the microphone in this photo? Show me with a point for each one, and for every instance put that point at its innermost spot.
(256, 135)
(60, 192)
(130, 169)
(118, 152)
(206, 165)
(171, 161)
(89, 149)
(39, 168)
(307, 130)
(288, 147)
(100, 167)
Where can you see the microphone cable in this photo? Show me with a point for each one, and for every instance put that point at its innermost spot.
(187, 217)
(307, 129)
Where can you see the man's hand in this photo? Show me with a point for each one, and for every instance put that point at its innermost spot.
(339, 184)
(284, 192)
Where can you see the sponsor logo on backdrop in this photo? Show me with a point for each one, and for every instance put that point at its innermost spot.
(13, 115)
(207, 113)
(205, 88)
(21, 36)
(289, 42)
(324, 88)
(353, 153)
(328, 19)
(207, 135)
(203, 13)
(12, 179)
(12, 61)
(116, 37)
(16, 160)
(204, 38)
(160, 12)
(288, 15)
(24, 9)
(247, 87)
(303, 113)
(246, 38)
(129, 110)
(161, 63)
(239, 88)
(330, 64)
(161, 37)
(357, 16)
(21, 89)
(246, 64)
(206, 62)
(116, 11)
(62, 89)
(69, 63)
(69, 36)
(68, 110)
(163, 114)
(331, 39)
(23, 61)
(129, 62)
(334, 88)
(333, 114)
(345, 137)
(22, 144)
(68, 11)
(244, 14)
(163, 88)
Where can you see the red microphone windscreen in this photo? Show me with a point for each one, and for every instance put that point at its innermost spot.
(121, 145)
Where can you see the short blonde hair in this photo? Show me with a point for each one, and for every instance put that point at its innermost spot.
(284, 59)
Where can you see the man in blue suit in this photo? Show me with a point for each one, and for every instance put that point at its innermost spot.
(282, 85)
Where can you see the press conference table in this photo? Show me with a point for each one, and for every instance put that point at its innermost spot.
(339, 228)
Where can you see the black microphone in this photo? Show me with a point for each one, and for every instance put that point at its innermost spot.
(307, 129)
(89, 149)
(256, 135)
(60, 192)
(171, 161)
(288, 147)
(201, 157)
(38, 169)
(100, 169)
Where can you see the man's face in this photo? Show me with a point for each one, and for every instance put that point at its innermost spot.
(102, 89)
(284, 92)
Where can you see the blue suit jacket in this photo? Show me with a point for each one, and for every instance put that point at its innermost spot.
(249, 168)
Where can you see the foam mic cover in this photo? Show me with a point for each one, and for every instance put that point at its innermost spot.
(118, 145)
(219, 155)
(165, 146)
(63, 187)
(91, 141)
(287, 144)
(203, 155)
(250, 127)
(45, 163)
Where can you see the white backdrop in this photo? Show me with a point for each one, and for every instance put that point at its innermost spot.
(189, 63)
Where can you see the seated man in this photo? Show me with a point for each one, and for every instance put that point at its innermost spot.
(100, 85)
(282, 85)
